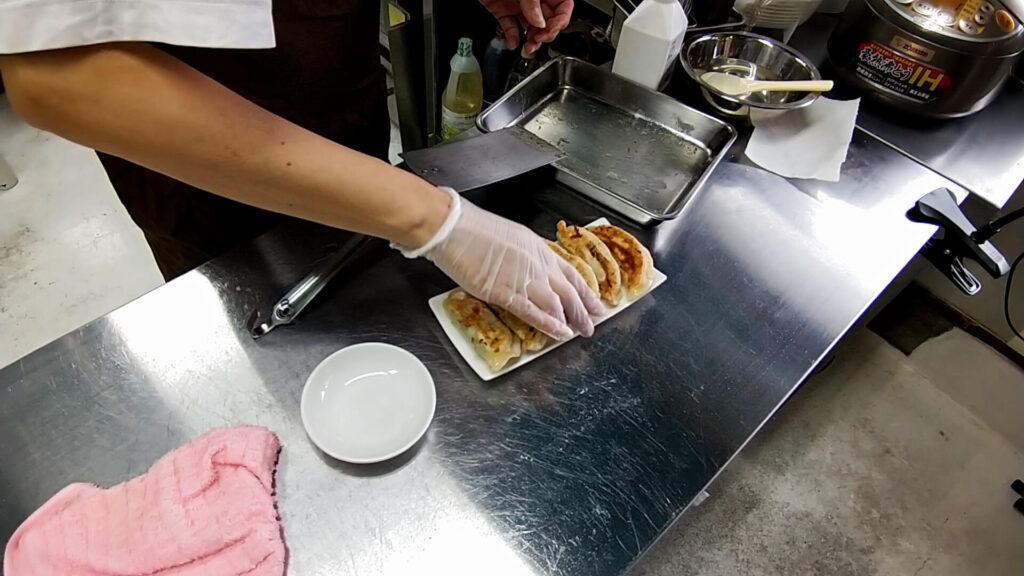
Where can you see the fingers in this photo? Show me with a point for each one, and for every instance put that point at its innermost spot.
(541, 294)
(590, 300)
(555, 26)
(536, 37)
(572, 304)
(532, 13)
(555, 23)
(537, 305)
(563, 10)
(510, 28)
(556, 19)
(530, 313)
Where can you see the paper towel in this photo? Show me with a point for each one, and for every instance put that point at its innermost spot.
(808, 142)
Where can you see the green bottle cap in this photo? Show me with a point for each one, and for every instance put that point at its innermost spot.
(465, 46)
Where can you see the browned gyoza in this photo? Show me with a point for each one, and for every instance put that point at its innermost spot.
(491, 339)
(634, 260)
(583, 244)
(533, 339)
(582, 267)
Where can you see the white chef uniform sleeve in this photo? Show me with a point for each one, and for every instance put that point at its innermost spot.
(32, 25)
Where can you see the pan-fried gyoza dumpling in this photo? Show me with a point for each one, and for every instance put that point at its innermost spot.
(532, 338)
(633, 258)
(491, 339)
(582, 267)
(586, 245)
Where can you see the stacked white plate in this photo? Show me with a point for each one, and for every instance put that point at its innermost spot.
(781, 14)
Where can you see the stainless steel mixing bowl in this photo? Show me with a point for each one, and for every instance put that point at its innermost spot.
(750, 56)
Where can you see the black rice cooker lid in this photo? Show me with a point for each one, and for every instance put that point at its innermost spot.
(982, 26)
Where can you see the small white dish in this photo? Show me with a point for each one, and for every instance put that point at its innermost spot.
(368, 402)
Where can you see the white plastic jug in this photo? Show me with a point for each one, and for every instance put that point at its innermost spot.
(650, 41)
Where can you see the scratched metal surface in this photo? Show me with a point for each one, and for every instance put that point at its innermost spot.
(982, 152)
(572, 465)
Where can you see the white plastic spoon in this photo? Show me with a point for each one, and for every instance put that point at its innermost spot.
(737, 86)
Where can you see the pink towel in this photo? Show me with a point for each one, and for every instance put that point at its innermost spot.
(206, 508)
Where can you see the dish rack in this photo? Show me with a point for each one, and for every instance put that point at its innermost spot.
(784, 15)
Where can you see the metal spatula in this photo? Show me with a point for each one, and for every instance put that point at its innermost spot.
(473, 162)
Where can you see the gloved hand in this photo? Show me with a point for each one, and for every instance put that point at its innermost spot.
(506, 264)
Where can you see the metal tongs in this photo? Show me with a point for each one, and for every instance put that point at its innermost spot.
(296, 299)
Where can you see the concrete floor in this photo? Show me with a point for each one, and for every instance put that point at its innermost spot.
(869, 469)
(68, 250)
(882, 464)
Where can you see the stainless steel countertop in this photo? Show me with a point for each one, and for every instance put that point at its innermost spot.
(983, 153)
(572, 465)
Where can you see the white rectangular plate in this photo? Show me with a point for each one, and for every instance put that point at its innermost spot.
(465, 347)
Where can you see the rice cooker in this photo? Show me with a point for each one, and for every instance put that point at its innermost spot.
(932, 58)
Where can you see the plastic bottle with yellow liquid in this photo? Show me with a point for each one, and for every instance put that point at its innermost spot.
(464, 95)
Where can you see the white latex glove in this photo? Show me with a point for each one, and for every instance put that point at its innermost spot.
(506, 264)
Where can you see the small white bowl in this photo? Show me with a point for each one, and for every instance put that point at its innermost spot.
(368, 402)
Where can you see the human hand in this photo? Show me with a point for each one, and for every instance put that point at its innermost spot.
(543, 19)
(506, 264)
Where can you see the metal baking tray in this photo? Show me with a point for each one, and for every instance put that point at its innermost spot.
(636, 151)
